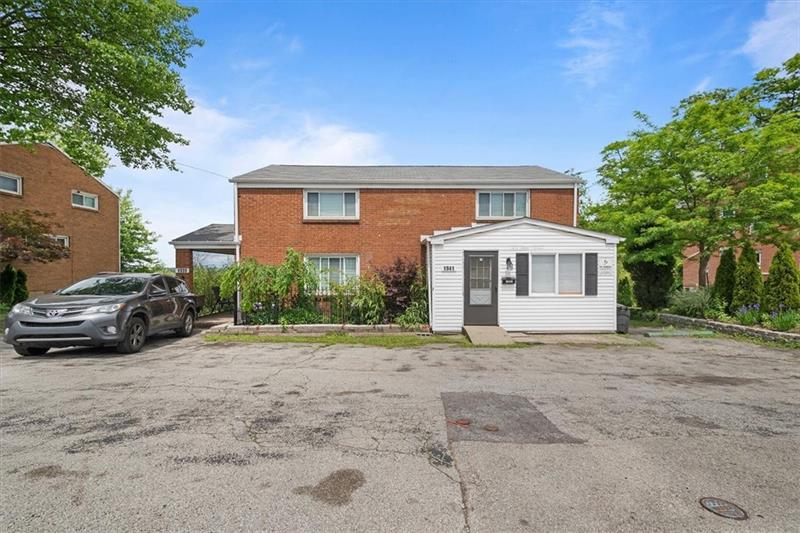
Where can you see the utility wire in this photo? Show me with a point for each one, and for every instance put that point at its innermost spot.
(201, 169)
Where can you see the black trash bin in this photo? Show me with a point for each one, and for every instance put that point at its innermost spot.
(623, 318)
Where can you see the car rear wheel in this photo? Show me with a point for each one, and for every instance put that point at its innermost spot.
(30, 350)
(135, 335)
(187, 325)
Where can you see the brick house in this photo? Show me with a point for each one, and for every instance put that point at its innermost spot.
(83, 211)
(348, 219)
(691, 268)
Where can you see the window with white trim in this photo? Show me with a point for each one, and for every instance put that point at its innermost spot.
(332, 269)
(63, 240)
(557, 274)
(85, 200)
(341, 205)
(502, 204)
(758, 257)
(10, 184)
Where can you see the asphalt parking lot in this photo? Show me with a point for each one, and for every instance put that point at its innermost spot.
(193, 436)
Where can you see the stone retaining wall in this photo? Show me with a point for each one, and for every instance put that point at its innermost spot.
(307, 329)
(733, 329)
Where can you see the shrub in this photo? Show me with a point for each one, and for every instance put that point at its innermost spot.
(724, 279)
(416, 314)
(398, 279)
(652, 282)
(749, 315)
(783, 320)
(624, 287)
(692, 303)
(20, 288)
(782, 289)
(8, 284)
(643, 315)
(300, 316)
(205, 279)
(369, 300)
(748, 282)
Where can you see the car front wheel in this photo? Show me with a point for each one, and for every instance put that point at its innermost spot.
(187, 325)
(134, 338)
(30, 350)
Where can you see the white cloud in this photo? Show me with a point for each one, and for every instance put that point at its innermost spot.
(702, 85)
(179, 202)
(600, 38)
(776, 37)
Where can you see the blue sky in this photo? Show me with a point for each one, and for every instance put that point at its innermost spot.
(438, 83)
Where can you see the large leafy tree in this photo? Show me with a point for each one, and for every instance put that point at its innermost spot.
(94, 75)
(137, 252)
(26, 235)
(723, 170)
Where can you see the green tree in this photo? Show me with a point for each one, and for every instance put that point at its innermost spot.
(26, 235)
(748, 281)
(724, 169)
(724, 279)
(8, 284)
(782, 289)
(624, 286)
(20, 288)
(137, 251)
(92, 75)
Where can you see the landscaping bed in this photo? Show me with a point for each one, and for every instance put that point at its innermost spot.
(732, 329)
(387, 340)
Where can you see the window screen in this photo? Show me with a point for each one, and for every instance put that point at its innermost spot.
(543, 274)
(569, 273)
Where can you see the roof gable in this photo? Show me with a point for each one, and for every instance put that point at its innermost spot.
(441, 238)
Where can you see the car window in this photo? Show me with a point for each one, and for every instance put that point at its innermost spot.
(106, 286)
(175, 286)
(156, 285)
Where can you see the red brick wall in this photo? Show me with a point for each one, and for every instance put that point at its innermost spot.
(691, 266)
(183, 259)
(390, 225)
(48, 178)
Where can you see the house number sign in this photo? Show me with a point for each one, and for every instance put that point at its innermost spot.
(181, 270)
(448, 268)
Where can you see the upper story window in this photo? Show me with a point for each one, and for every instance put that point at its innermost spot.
(499, 204)
(63, 240)
(10, 184)
(85, 200)
(332, 205)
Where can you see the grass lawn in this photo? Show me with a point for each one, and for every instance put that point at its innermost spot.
(385, 341)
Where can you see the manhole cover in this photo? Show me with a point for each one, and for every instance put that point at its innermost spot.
(723, 508)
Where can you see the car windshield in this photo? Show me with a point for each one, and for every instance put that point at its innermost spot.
(107, 286)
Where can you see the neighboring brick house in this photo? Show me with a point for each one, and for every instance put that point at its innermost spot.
(691, 268)
(83, 211)
(347, 220)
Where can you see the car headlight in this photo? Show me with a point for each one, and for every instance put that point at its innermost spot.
(110, 308)
(22, 309)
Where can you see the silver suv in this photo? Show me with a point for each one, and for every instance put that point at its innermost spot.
(108, 309)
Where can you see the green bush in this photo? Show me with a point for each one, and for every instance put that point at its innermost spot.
(8, 284)
(20, 288)
(300, 316)
(359, 301)
(205, 279)
(416, 314)
(652, 282)
(693, 304)
(782, 289)
(725, 279)
(783, 321)
(624, 287)
(398, 278)
(748, 283)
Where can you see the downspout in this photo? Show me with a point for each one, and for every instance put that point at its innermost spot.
(430, 283)
(237, 315)
(575, 204)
